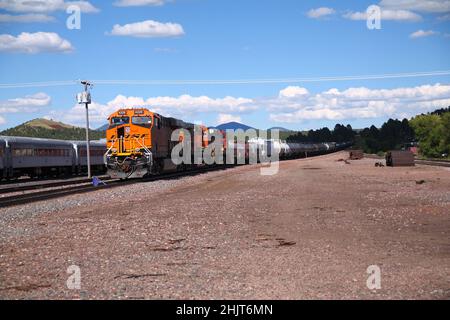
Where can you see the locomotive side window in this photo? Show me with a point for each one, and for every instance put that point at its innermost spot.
(142, 121)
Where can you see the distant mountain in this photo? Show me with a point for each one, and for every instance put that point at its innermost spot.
(103, 127)
(279, 129)
(49, 129)
(233, 126)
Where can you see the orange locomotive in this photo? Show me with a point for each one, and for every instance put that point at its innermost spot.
(139, 142)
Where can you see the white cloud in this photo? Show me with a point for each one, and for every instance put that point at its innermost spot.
(26, 18)
(189, 104)
(2, 120)
(433, 6)
(386, 14)
(225, 117)
(291, 105)
(421, 34)
(32, 43)
(181, 107)
(30, 103)
(42, 6)
(356, 103)
(85, 6)
(148, 29)
(137, 3)
(320, 12)
(293, 91)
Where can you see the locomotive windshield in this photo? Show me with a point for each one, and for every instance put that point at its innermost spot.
(142, 121)
(117, 121)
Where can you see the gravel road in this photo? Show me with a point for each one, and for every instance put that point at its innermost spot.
(308, 232)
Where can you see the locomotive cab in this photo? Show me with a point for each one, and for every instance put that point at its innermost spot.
(129, 143)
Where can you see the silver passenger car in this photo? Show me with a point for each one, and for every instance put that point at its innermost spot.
(2, 158)
(97, 151)
(35, 157)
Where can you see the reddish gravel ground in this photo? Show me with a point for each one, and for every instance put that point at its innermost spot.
(308, 232)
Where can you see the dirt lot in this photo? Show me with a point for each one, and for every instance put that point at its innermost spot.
(311, 231)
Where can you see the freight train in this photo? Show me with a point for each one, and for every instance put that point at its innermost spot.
(37, 158)
(140, 143)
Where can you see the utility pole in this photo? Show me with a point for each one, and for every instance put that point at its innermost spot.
(85, 98)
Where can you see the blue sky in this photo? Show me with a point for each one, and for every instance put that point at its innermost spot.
(226, 40)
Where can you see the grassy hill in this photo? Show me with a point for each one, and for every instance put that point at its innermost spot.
(49, 129)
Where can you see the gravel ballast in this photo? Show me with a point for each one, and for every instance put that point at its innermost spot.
(310, 231)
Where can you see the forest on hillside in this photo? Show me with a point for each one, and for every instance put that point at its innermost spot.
(61, 134)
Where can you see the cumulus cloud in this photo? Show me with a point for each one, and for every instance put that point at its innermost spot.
(225, 117)
(293, 104)
(320, 12)
(357, 103)
(32, 43)
(148, 29)
(387, 14)
(2, 120)
(138, 3)
(30, 103)
(427, 6)
(421, 34)
(293, 91)
(189, 104)
(26, 18)
(42, 6)
(181, 107)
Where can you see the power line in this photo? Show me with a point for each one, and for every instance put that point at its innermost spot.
(230, 81)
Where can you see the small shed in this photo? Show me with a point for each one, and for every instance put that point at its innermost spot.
(399, 159)
(356, 154)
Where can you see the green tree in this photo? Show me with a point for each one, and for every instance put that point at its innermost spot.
(429, 130)
(445, 141)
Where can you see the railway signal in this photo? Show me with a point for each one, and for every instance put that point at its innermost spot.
(85, 98)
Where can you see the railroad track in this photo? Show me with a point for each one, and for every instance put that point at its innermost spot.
(440, 163)
(86, 186)
(26, 186)
(427, 162)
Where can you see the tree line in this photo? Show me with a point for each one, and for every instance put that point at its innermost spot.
(431, 132)
(340, 133)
